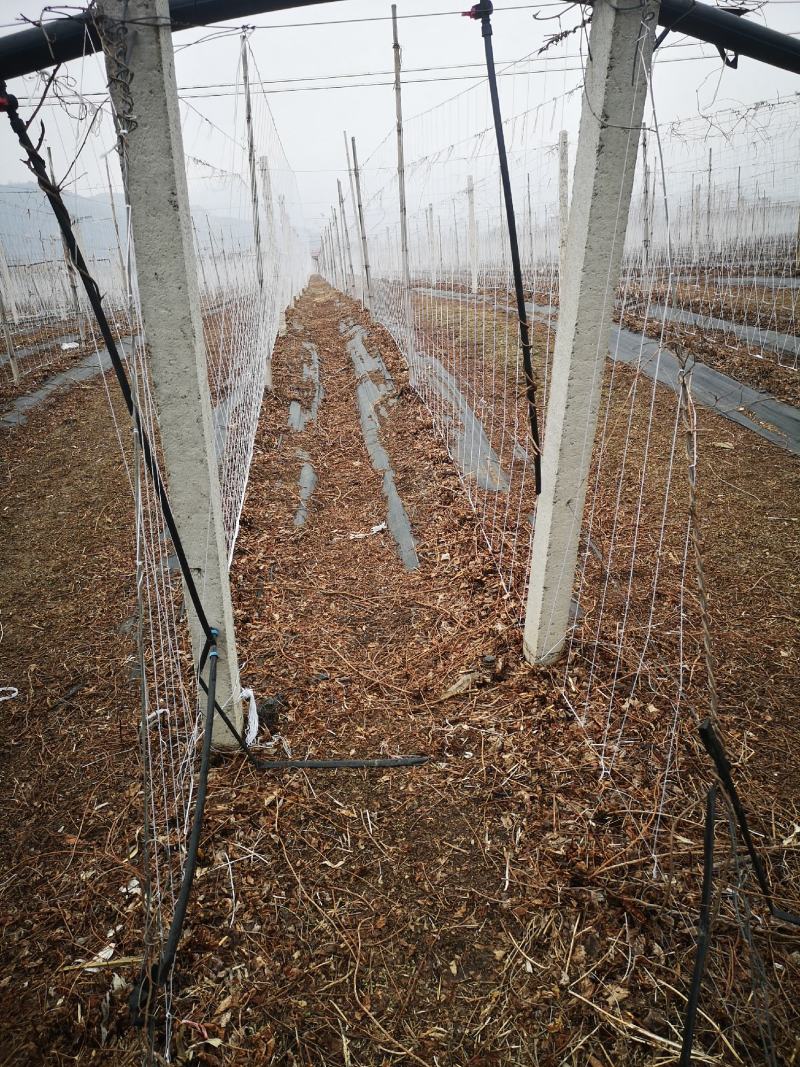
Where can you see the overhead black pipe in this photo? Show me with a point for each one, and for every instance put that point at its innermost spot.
(61, 40)
(730, 33)
(70, 38)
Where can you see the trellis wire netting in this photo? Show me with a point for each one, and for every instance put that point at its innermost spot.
(245, 284)
(710, 254)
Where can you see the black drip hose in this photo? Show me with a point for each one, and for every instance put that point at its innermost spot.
(483, 12)
(714, 747)
(703, 931)
(140, 1000)
(310, 764)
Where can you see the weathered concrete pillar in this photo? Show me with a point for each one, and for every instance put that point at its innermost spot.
(620, 47)
(362, 229)
(563, 202)
(351, 289)
(147, 109)
(355, 216)
(408, 314)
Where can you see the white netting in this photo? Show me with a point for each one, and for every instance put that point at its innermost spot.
(709, 261)
(245, 284)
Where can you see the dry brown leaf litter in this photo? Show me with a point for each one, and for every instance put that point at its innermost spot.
(492, 907)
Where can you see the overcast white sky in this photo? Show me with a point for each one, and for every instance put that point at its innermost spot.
(310, 121)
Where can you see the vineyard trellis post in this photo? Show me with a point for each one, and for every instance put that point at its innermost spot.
(256, 212)
(251, 159)
(141, 75)
(563, 199)
(340, 250)
(620, 50)
(362, 230)
(646, 223)
(123, 273)
(709, 233)
(283, 228)
(401, 188)
(431, 244)
(269, 214)
(346, 232)
(355, 211)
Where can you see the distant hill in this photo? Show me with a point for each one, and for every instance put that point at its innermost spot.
(29, 231)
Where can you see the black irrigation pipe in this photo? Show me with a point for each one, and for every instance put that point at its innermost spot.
(9, 104)
(483, 11)
(703, 931)
(61, 40)
(314, 764)
(714, 747)
(141, 998)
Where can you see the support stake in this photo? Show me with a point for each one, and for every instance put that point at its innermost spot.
(146, 100)
(364, 250)
(620, 47)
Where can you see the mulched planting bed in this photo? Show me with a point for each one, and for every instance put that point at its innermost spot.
(496, 906)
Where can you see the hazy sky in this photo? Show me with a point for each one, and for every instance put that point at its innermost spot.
(310, 121)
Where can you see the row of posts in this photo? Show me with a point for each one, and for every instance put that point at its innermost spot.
(592, 235)
(615, 88)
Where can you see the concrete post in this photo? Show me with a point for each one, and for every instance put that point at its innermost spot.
(620, 47)
(346, 232)
(355, 213)
(284, 228)
(472, 235)
(147, 106)
(266, 196)
(256, 213)
(364, 250)
(271, 244)
(401, 188)
(339, 250)
(563, 202)
(530, 230)
(251, 158)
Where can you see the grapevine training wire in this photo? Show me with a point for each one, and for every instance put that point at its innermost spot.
(52, 192)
